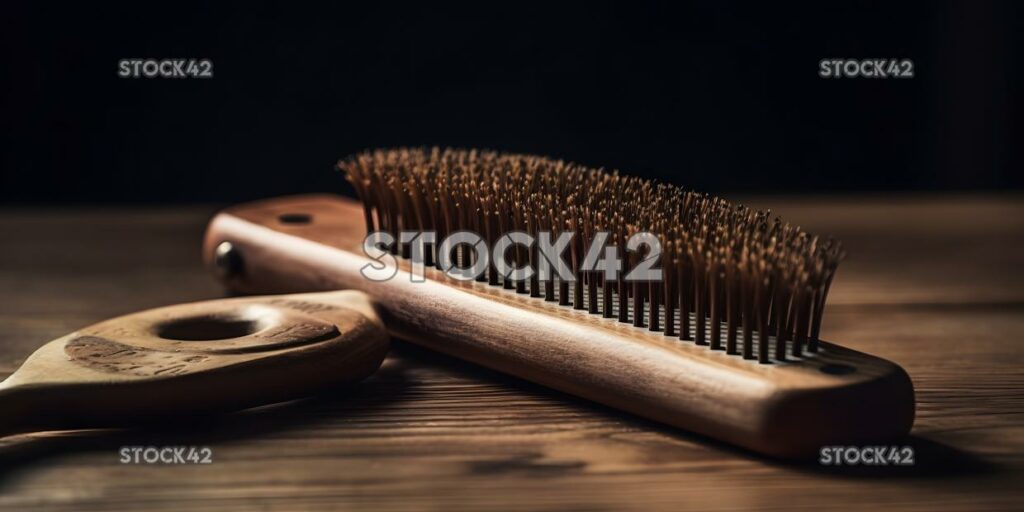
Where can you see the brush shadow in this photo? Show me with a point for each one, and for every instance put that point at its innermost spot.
(388, 385)
(932, 458)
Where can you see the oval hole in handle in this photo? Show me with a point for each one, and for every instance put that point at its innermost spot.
(208, 328)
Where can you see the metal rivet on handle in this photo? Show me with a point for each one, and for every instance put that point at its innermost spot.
(228, 261)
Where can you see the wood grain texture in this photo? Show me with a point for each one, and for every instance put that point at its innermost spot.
(186, 359)
(430, 432)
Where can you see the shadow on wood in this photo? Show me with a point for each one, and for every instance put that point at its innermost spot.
(360, 399)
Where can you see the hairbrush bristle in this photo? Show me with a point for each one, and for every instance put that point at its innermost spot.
(725, 267)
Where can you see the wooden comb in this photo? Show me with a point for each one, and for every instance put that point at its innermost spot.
(197, 358)
(786, 408)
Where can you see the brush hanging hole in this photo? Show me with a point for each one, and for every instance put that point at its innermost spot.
(295, 218)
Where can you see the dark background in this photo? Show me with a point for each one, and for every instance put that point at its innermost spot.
(714, 96)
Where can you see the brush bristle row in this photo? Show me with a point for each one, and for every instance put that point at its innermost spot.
(731, 276)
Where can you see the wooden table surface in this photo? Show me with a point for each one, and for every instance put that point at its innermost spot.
(931, 283)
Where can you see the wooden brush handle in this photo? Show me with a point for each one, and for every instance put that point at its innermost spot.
(836, 396)
(189, 359)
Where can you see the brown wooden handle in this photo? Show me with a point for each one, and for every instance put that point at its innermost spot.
(836, 396)
(197, 358)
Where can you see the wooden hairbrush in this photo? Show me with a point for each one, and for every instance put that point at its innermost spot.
(686, 350)
(198, 358)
